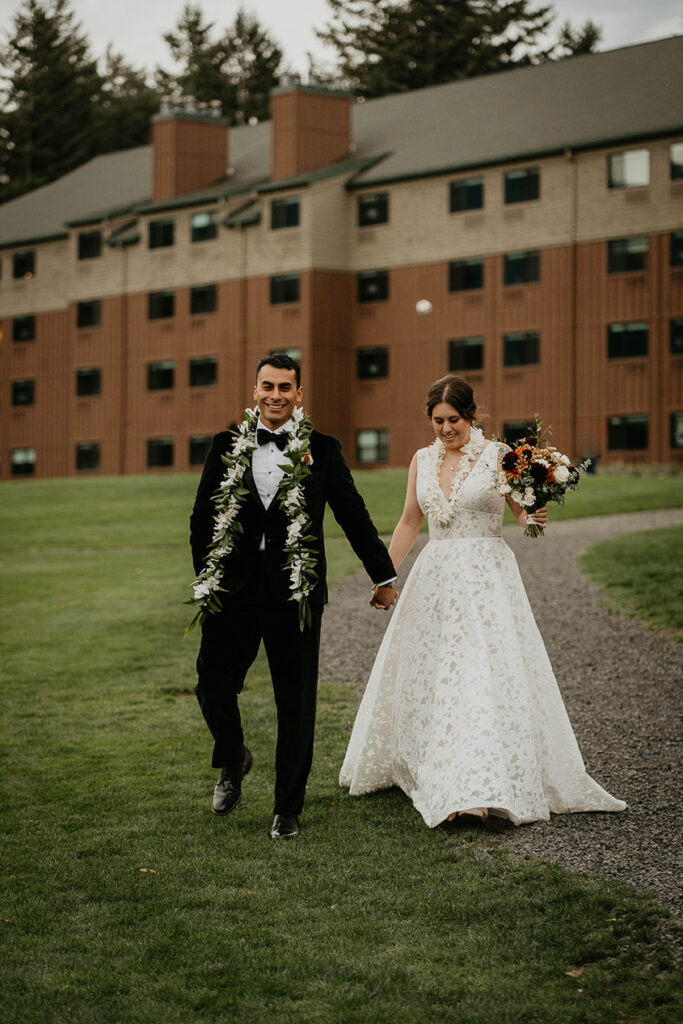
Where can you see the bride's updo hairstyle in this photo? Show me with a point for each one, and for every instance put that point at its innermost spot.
(457, 392)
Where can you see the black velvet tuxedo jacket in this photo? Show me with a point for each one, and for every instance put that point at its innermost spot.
(330, 482)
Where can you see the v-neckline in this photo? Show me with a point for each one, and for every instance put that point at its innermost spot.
(457, 481)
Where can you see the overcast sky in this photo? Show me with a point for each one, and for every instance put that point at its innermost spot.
(135, 27)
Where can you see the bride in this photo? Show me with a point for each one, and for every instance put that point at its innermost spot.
(462, 709)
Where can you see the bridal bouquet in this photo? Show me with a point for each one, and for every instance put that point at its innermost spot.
(534, 473)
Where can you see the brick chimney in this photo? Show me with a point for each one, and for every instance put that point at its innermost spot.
(189, 147)
(311, 127)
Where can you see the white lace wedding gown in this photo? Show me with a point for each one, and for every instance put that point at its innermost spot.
(462, 708)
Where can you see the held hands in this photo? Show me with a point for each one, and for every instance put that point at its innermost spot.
(383, 597)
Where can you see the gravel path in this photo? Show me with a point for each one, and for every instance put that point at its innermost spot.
(622, 687)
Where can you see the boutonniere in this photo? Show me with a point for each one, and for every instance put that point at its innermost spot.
(300, 555)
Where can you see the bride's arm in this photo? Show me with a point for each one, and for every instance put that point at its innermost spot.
(408, 526)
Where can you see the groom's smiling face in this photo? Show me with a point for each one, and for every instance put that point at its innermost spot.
(276, 394)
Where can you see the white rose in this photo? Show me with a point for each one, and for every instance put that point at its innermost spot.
(505, 488)
(561, 474)
(517, 496)
(564, 460)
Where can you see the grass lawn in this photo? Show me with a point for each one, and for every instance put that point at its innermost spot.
(125, 900)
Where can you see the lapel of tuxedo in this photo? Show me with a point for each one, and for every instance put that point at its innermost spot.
(250, 484)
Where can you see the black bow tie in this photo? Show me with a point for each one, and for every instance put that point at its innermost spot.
(264, 436)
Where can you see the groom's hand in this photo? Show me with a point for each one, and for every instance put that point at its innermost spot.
(383, 597)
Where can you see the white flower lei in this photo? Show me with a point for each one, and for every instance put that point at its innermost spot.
(436, 505)
(299, 556)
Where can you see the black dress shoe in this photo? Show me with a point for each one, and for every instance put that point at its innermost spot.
(285, 826)
(228, 790)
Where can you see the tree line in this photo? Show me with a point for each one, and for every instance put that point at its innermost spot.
(59, 107)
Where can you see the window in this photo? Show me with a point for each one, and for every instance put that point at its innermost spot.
(203, 372)
(676, 430)
(203, 226)
(204, 298)
(23, 328)
(88, 455)
(629, 169)
(284, 213)
(372, 445)
(522, 267)
(465, 354)
(465, 275)
(625, 340)
(515, 431)
(373, 286)
(523, 185)
(467, 194)
(23, 461)
(676, 249)
(199, 449)
(24, 265)
(627, 254)
(284, 288)
(373, 208)
(89, 314)
(372, 362)
(160, 452)
(88, 381)
(23, 392)
(161, 376)
(161, 233)
(627, 432)
(676, 160)
(89, 245)
(676, 336)
(520, 349)
(160, 305)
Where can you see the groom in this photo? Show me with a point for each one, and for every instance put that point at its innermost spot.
(256, 598)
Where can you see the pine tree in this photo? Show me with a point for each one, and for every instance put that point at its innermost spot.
(50, 86)
(125, 106)
(573, 42)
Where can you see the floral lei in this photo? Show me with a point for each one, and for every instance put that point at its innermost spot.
(300, 557)
(436, 505)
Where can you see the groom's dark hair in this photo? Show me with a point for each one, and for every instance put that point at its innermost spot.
(281, 361)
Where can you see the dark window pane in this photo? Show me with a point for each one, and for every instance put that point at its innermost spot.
(515, 431)
(676, 430)
(203, 372)
(24, 264)
(520, 349)
(203, 226)
(627, 254)
(629, 169)
(88, 381)
(23, 328)
(627, 432)
(89, 314)
(676, 160)
(160, 376)
(373, 286)
(521, 267)
(204, 299)
(465, 354)
(676, 249)
(88, 455)
(372, 362)
(467, 194)
(160, 305)
(627, 340)
(23, 461)
(373, 208)
(523, 185)
(199, 449)
(465, 275)
(161, 233)
(284, 213)
(89, 245)
(284, 288)
(676, 335)
(160, 452)
(23, 392)
(372, 445)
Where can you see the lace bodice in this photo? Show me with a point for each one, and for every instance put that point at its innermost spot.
(474, 509)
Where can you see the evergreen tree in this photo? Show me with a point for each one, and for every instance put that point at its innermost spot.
(573, 42)
(126, 105)
(50, 86)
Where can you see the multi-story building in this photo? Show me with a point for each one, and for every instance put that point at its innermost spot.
(524, 229)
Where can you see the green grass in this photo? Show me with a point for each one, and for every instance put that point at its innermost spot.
(642, 574)
(125, 900)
